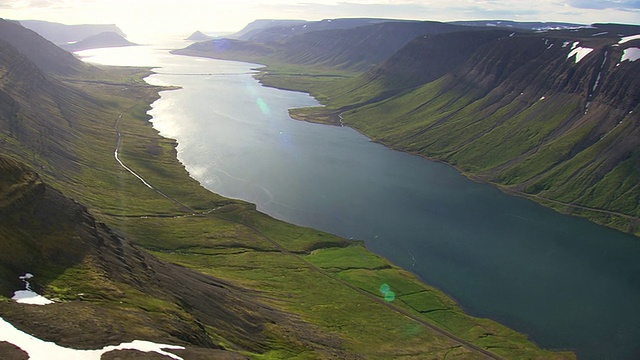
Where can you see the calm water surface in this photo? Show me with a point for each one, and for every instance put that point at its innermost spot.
(566, 282)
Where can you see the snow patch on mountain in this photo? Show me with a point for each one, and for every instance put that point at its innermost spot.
(631, 54)
(28, 296)
(579, 53)
(43, 350)
(629, 38)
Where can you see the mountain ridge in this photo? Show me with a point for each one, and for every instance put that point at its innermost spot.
(61, 34)
(38, 50)
(101, 40)
(524, 25)
(356, 48)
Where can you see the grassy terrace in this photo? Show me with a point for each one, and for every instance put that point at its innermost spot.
(327, 281)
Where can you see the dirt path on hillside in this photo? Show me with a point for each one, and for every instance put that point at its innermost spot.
(146, 183)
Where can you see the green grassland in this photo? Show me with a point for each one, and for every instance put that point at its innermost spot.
(326, 281)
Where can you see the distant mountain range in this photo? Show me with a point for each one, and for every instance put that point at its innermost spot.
(198, 36)
(260, 25)
(349, 44)
(102, 40)
(532, 25)
(61, 34)
(546, 110)
(78, 37)
(38, 50)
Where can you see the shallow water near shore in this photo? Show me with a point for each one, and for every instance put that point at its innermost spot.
(566, 282)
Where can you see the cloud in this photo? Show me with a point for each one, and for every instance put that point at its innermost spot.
(20, 4)
(629, 5)
(9, 4)
(23, 4)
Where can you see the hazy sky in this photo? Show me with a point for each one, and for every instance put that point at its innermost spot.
(140, 17)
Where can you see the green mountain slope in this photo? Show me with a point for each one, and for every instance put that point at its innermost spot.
(103, 279)
(518, 111)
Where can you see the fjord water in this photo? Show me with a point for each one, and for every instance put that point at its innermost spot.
(567, 283)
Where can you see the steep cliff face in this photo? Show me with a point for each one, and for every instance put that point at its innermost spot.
(552, 114)
(551, 64)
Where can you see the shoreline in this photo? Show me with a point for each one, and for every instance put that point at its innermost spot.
(407, 312)
(334, 118)
(450, 297)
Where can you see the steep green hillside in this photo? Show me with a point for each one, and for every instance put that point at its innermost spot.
(101, 279)
(217, 276)
(523, 113)
(552, 116)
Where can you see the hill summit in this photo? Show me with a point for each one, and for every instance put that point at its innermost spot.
(198, 36)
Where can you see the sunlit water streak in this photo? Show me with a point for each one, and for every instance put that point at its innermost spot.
(564, 281)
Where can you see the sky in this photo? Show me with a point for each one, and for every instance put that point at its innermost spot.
(139, 18)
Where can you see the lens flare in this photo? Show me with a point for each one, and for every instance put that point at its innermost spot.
(386, 292)
(263, 106)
